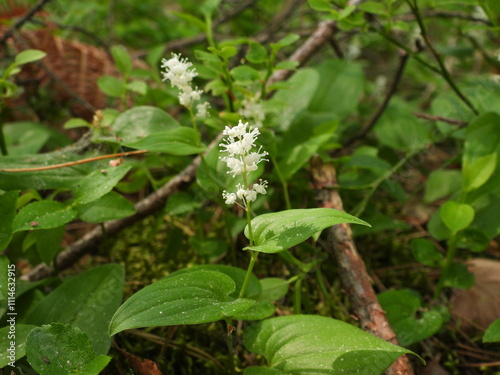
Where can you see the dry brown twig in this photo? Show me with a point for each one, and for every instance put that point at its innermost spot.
(353, 273)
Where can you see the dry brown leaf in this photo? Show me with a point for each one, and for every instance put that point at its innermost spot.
(481, 303)
(143, 366)
(434, 368)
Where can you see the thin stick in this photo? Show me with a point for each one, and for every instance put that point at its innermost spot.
(22, 21)
(444, 71)
(441, 119)
(381, 108)
(73, 163)
(353, 273)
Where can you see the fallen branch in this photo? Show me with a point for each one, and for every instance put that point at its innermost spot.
(322, 35)
(355, 278)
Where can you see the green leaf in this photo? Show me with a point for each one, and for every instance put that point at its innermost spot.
(139, 122)
(399, 129)
(258, 311)
(181, 203)
(437, 229)
(28, 56)
(208, 7)
(99, 183)
(273, 289)
(4, 277)
(13, 348)
(458, 277)
(192, 20)
(41, 180)
(111, 206)
(47, 242)
(401, 307)
(25, 137)
(111, 86)
(8, 203)
(122, 59)
(477, 173)
(492, 334)
(425, 252)
(278, 231)
(257, 53)
(320, 5)
(237, 274)
(177, 141)
(457, 216)
(298, 97)
(285, 41)
(86, 301)
(186, 298)
(139, 87)
(304, 344)
(245, 74)
(442, 183)
(286, 65)
(42, 215)
(341, 86)
(373, 7)
(473, 239)
(298, 156)
(60, 349)
(76, 123)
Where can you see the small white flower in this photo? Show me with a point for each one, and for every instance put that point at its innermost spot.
(250, 195)
(230, 198)
(260, 187)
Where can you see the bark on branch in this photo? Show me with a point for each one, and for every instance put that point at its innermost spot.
(354, 277)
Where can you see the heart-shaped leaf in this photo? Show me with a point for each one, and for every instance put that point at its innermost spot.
(61, 349)
(457, 216)
(278, 231)
(307, 344)
(86, 301)
(186, 298)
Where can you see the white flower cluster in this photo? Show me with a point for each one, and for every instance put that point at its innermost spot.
(252, 109)
(242, 160)
(178, 72)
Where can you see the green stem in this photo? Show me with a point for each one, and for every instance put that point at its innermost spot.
(297, 297)
(284, 184)
(3, 146)
(269, 72)
(375, 184)
(445, 269)
(195, 127)
(230, 346)
(253, 259)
